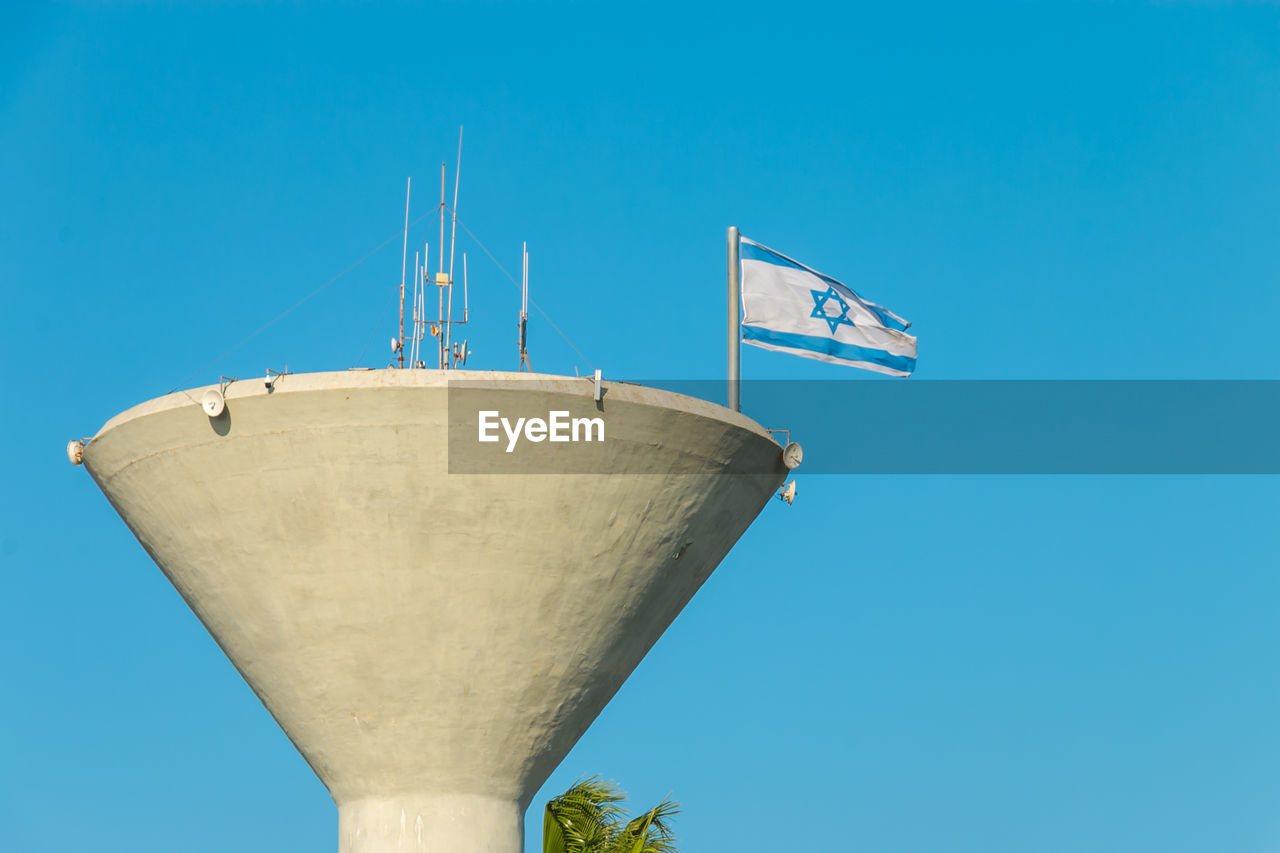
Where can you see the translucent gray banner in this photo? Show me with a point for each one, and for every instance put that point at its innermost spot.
(1018, 427)
(896, 427)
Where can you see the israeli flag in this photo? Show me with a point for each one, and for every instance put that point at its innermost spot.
(789, 307)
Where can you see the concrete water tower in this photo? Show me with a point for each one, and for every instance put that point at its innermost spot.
(433, 633)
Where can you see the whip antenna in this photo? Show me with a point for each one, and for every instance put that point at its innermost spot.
(453, 239)
(524, 312)
(404, 260)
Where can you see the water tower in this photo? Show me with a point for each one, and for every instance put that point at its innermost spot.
(432, 632)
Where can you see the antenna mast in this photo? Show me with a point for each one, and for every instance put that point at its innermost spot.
(413, 347)
(464, 352)
(440, 280)
(524, 312)
(453, 238)
(442, 330)
(404, 260)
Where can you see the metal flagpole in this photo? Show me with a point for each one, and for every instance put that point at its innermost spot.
(735, 330)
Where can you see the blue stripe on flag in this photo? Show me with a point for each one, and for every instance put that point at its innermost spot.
(829, 346)
(755, 252)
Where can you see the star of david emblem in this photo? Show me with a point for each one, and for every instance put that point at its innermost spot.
(820, 309)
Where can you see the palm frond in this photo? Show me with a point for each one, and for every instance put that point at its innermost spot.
(584, 819)
(587, 818)
(650, 832)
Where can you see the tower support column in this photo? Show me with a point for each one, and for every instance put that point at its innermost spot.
(430, 823)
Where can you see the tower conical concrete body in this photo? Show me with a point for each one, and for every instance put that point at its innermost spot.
(433, 642)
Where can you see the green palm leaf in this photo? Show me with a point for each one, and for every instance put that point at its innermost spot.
(650, 833)
(587, 818)
(584, 819)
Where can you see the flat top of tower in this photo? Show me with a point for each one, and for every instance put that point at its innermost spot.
(356, 378)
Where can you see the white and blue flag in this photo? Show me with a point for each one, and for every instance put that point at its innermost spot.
(789, 307)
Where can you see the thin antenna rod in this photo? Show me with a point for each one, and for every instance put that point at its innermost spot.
(426, 265)
(446, 332)
(524, 308)
(442, 214)
(453, 238)
(457, 177)
(422, 334)
(413, 347)
(403, 262)
(422, 303)
(440, 275)
(464, 287)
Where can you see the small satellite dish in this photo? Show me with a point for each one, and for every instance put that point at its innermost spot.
(75, 452)
(788, 492)
(213, 403)
(462, 356)
(395, 345)
(792, 455)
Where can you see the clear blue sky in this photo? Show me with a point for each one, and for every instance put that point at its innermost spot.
(894, 664)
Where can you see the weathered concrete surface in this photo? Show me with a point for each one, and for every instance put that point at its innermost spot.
(432, 643)
(442, 822)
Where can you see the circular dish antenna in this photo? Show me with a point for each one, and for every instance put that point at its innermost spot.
(75, 452)
(213, 403)
(792, 455)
